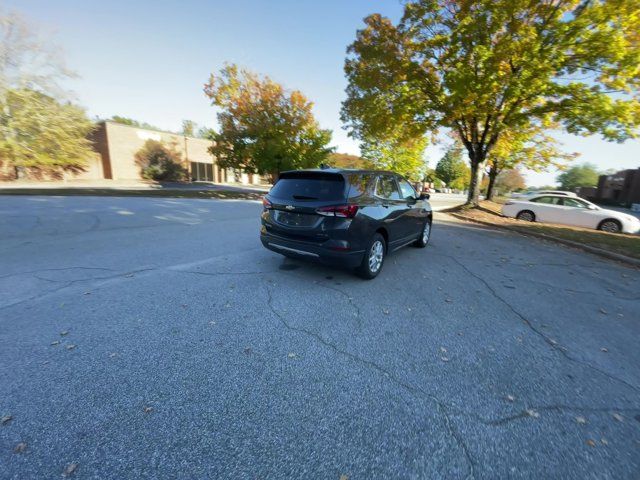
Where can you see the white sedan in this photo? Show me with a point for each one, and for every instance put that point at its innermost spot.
(570, 211)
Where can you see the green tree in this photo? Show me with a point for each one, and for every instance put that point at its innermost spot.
(39, 129)
(585, 175)
(206, 133)
(453, 170)
(159, 162)
(530, 147)
(404, 156)
(344, 160)
(133, 123)
(264, 128)
(431, 177)
(189, 128)
(39, 133)
(484, 67)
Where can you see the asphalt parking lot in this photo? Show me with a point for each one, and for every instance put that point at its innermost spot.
(156, 338)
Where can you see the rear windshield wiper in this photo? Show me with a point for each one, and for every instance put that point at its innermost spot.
(304, 197)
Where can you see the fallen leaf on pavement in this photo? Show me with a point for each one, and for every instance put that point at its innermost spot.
(385, 311)
(247, 351)
(603, 311)
(604, 349)
(19, 448)
(112, 355)
(591, 443)
(581, 420)
(532, 413)
(618, 417)
(71, 346)
(344, 477)
(55, 342)
(444, 359)
(448, 300)
(511, 398)
(147, 409)
(292, 355)
(64, 332)
(5, 419)
(87, 293)
(69, 469)
(443, 350)
(604, 441)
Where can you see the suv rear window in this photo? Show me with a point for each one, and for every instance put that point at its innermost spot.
(309, 186)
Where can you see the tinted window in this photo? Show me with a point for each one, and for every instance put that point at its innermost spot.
(572, 202)
(309, 186)
(358, 183)
(387, 188)
(406, 190)
(547, 200)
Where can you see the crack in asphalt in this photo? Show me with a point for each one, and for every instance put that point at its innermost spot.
(496, 422)
(69, 283)
(358, 313)
(55, 270)
(441, 406)
(552, 343)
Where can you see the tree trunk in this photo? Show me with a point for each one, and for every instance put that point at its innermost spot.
(493, 173)
(477, 166)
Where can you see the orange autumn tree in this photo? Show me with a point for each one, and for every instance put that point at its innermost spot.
(264, 128)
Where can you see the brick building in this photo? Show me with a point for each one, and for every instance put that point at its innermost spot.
(117, 145)
(620, 188)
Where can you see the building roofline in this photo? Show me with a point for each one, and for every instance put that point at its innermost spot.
(113, 122)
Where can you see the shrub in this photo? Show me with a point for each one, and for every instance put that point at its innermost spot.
(159, 162)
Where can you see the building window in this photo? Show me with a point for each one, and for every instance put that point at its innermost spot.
(201, 172)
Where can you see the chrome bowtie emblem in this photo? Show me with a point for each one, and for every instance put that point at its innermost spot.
(290, 207)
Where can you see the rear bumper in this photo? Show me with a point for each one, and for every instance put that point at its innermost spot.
(311, 251)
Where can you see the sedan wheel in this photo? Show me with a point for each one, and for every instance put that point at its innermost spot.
(610, 226)
(526, 215)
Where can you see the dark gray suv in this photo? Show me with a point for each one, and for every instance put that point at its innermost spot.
(350, 218)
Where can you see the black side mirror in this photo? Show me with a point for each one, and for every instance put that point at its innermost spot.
(424, 196)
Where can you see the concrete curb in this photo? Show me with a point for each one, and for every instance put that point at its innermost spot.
(634, 262)
(145, 192)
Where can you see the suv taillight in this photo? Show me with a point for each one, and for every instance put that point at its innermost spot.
(344, 211)
(266, 203)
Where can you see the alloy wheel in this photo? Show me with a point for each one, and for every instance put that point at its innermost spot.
(610, 226)
(526, 216)
(376, 255)
(426, 232)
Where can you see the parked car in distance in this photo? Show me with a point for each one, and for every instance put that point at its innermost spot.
(543, 192)
(351, 218)
(567, 210)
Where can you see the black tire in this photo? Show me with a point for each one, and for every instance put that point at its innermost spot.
(610, 225)
(366, 269)
(422, 242)
(526, 215)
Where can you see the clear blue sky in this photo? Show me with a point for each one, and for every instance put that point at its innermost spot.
(149, 59)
